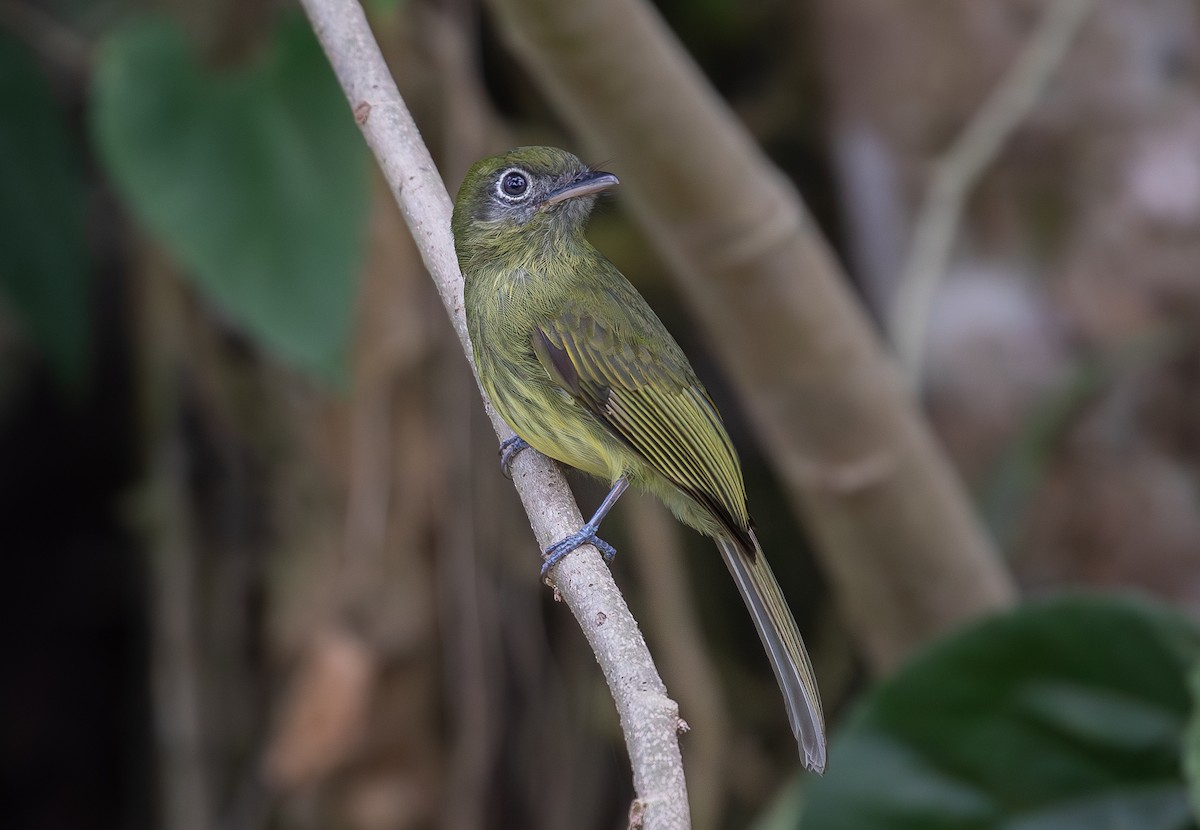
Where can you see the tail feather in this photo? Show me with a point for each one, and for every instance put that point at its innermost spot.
(781, 638)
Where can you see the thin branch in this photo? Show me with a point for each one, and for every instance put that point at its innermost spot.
(178, 716)
(648, 717)
(674, 625)
(169, 526)
(957, 172)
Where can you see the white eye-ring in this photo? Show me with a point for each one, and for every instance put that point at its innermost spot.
(513, 185)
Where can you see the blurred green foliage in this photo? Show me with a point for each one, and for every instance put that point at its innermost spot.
(255, 180)
(1064, 714)
(43, 252)
(1191, 752)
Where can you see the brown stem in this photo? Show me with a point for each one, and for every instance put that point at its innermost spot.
(648, 717)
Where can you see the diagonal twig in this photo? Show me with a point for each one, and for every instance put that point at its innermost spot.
(648, 717)
(956, 173)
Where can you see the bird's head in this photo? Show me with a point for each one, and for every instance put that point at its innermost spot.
(526, 190)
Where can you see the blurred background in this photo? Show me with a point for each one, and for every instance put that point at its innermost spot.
(263, 570)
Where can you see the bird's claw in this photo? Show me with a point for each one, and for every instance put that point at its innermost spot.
(586, 535)
(509, 448)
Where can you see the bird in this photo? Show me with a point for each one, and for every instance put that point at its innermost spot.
(581, 368)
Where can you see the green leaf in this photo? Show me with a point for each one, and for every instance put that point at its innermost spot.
(43, 250)
(255, 180)
(1191, 751)
(1066, 714)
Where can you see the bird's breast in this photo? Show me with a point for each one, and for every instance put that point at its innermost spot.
(501, 323)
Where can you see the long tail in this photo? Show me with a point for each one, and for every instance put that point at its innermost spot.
(781, 638)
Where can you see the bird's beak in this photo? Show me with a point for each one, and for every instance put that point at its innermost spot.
(585, 185)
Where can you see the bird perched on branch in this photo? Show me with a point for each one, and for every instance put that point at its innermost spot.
(583, 371)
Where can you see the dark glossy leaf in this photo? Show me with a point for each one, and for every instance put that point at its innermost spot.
(255, 180)
(1065, 714)
(43, 251)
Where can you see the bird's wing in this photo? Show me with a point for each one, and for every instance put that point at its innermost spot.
(652, 402)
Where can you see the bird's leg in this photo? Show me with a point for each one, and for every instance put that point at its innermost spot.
(586, 535)
(509, 448)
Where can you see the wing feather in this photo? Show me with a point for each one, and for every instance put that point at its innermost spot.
(655, 406)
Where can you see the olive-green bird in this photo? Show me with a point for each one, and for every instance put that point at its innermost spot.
(583, 371)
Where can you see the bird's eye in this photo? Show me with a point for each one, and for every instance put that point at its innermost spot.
(513, 184)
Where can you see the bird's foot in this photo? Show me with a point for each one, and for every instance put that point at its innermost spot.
(509, 448)
(586, 535)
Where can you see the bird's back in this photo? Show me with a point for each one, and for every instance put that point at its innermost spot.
(581, 367)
